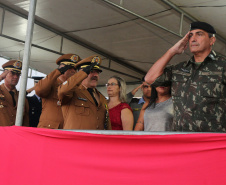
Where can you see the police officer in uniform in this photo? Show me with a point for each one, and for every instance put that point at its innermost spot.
(9, 95)
(46, 88)
(35, 104)
(83, 106)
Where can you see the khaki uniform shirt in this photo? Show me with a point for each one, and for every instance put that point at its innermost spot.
(79, 108)
(46, 88)
(8, 110)
(198, 94)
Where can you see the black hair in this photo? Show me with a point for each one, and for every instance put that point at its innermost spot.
(154, 96)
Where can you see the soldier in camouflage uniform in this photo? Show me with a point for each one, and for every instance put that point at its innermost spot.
(198, 85)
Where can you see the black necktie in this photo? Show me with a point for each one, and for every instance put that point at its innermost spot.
(12, 94)
(91, 93)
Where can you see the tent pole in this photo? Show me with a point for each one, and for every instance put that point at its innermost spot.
(181, 23)
(25, 65)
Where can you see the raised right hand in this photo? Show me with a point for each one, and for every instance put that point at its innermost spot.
(181, 45)
(63, 69)
(4, 74)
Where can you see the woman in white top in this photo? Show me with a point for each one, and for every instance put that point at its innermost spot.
(157, 114)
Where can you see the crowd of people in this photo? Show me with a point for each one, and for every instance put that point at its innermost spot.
(188, 96)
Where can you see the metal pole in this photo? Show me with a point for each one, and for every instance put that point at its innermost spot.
(3, 19)
(25, 66)
(96, 50)
(181, 23)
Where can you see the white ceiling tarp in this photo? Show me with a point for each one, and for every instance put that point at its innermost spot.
(129, 35)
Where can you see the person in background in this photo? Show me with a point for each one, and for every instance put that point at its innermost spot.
(35, 104)
(47, 88)
(198, 85)
(83, 106)
(9, 95)
(157, 114)
(121, 114)
(137, 103)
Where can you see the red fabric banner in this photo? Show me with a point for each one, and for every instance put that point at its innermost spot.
(33, 156)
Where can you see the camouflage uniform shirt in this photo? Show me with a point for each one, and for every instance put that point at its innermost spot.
(198, 93)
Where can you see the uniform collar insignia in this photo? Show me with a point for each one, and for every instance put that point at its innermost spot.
(212, 55)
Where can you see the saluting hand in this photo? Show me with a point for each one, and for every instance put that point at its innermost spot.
(136, 89)
(96, 61)
(63, 69)
(4, 74)
(181, 45)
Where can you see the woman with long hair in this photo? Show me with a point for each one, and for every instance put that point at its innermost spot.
(157, 114)
(120, 113)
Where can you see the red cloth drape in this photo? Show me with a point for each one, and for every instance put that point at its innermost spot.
(33, 156)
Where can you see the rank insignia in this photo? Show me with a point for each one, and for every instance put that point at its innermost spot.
(74, 58)
(1, 106)
(17, 64)
(96, 59)
(59, 103)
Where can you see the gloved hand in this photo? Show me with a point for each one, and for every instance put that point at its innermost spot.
(64, 69)
(94, 62)
(88, 68)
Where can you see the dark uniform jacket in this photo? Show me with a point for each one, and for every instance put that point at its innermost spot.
(136, 105)
(8, 110)
(79, 108)
(46, 88)
(198, 94)
(35, 110)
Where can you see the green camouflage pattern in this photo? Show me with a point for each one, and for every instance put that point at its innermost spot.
(198, 93)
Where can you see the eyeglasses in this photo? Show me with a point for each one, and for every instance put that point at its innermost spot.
(111, 84)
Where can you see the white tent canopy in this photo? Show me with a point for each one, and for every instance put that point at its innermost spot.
(129, 35)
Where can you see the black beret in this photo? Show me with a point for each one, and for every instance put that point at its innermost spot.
(203, 26)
